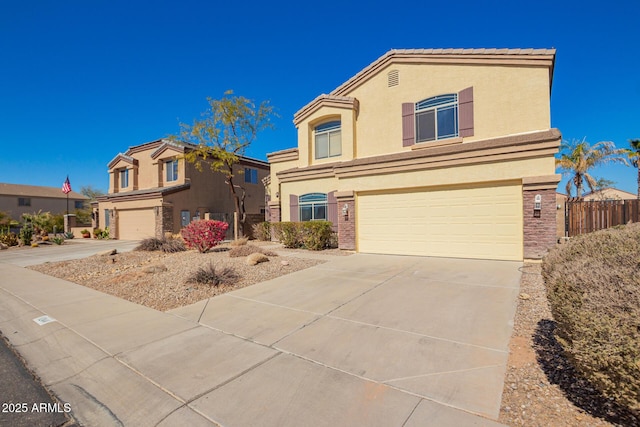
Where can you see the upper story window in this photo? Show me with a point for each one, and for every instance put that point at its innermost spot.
(124, 178)
(171, 167)
(79, 204)
(24, 201)
(313, 207)
(250, 176)
(437, 118)
(328, 140)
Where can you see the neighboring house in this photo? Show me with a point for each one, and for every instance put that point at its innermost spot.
(438, 152)
(18, 199)
(609, 193)
(153, 191)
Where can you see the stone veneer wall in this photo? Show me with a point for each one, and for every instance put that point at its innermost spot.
(539, 232)
(113, 224)
(164, 220)
(274, 210)
(346, 223)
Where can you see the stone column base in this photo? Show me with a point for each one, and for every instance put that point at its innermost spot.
(346, 220)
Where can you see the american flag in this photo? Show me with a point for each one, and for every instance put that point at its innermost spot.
(66, 187)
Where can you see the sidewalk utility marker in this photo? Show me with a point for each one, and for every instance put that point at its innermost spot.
(43, 320)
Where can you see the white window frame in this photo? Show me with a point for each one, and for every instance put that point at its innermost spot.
(436, 105)
(171, 167)
(124, 178)
(313, 201)
(331, 129)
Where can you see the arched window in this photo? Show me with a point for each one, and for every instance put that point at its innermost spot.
(313, 207)
(437, 118)
(328, 140)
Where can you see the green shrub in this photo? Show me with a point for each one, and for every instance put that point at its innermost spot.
(9, 239)
(101, 234)
(58, 240)
(313, 235)
(68, 235)
(289, 234)
(262, 231)
(213, 276)
(26, 234)
(316, 235)
(246, 250)
(593, 287)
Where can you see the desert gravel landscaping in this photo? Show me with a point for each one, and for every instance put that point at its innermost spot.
(159, 280)
(541, 387)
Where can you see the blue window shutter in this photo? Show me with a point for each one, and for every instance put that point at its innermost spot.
(408, 124)
(332, 210)
(465, 112)
(294, 212)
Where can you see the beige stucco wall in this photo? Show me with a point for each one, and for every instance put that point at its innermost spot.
(149, 173)
(507, 100)
(9, 204)
(306, 144)
(322, 185)
(433, 178)
(610, 194)
(208, 192)
(274, 186)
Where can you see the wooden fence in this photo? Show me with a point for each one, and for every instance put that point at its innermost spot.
(586, 216)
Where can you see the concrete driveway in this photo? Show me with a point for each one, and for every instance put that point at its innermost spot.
(71, 249)
(363, 340)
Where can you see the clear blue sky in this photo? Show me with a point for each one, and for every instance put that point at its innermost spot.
(83, 80)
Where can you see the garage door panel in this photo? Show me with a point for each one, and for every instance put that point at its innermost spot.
(136, 224)
(479, 222)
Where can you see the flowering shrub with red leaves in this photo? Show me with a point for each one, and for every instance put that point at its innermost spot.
(204, 234)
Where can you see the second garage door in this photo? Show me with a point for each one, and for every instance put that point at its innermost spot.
(479, 222)
(136, 224)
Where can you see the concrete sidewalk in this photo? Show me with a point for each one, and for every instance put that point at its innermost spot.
(362, 340)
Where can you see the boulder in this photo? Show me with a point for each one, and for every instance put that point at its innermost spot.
(155, 268)
(256, 258)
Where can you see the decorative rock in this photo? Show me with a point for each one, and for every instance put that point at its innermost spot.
(156, 268)
(256, 258)
(284, 262)
(3, 246)
(524, 296)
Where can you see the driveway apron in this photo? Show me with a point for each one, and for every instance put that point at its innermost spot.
(360, 340)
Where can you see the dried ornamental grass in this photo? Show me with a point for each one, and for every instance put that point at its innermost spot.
(593, 286)
(246, 250)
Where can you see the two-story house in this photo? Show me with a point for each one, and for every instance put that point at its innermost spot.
(437, 152)
(153, 191)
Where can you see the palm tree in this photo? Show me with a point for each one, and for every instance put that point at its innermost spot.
(634, 156)
(577, 158)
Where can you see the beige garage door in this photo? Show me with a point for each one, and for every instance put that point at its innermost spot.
(136, 224)
(479, 222)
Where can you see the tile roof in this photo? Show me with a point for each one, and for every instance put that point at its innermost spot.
(480, 54)
(411, 55)
(37, 191)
